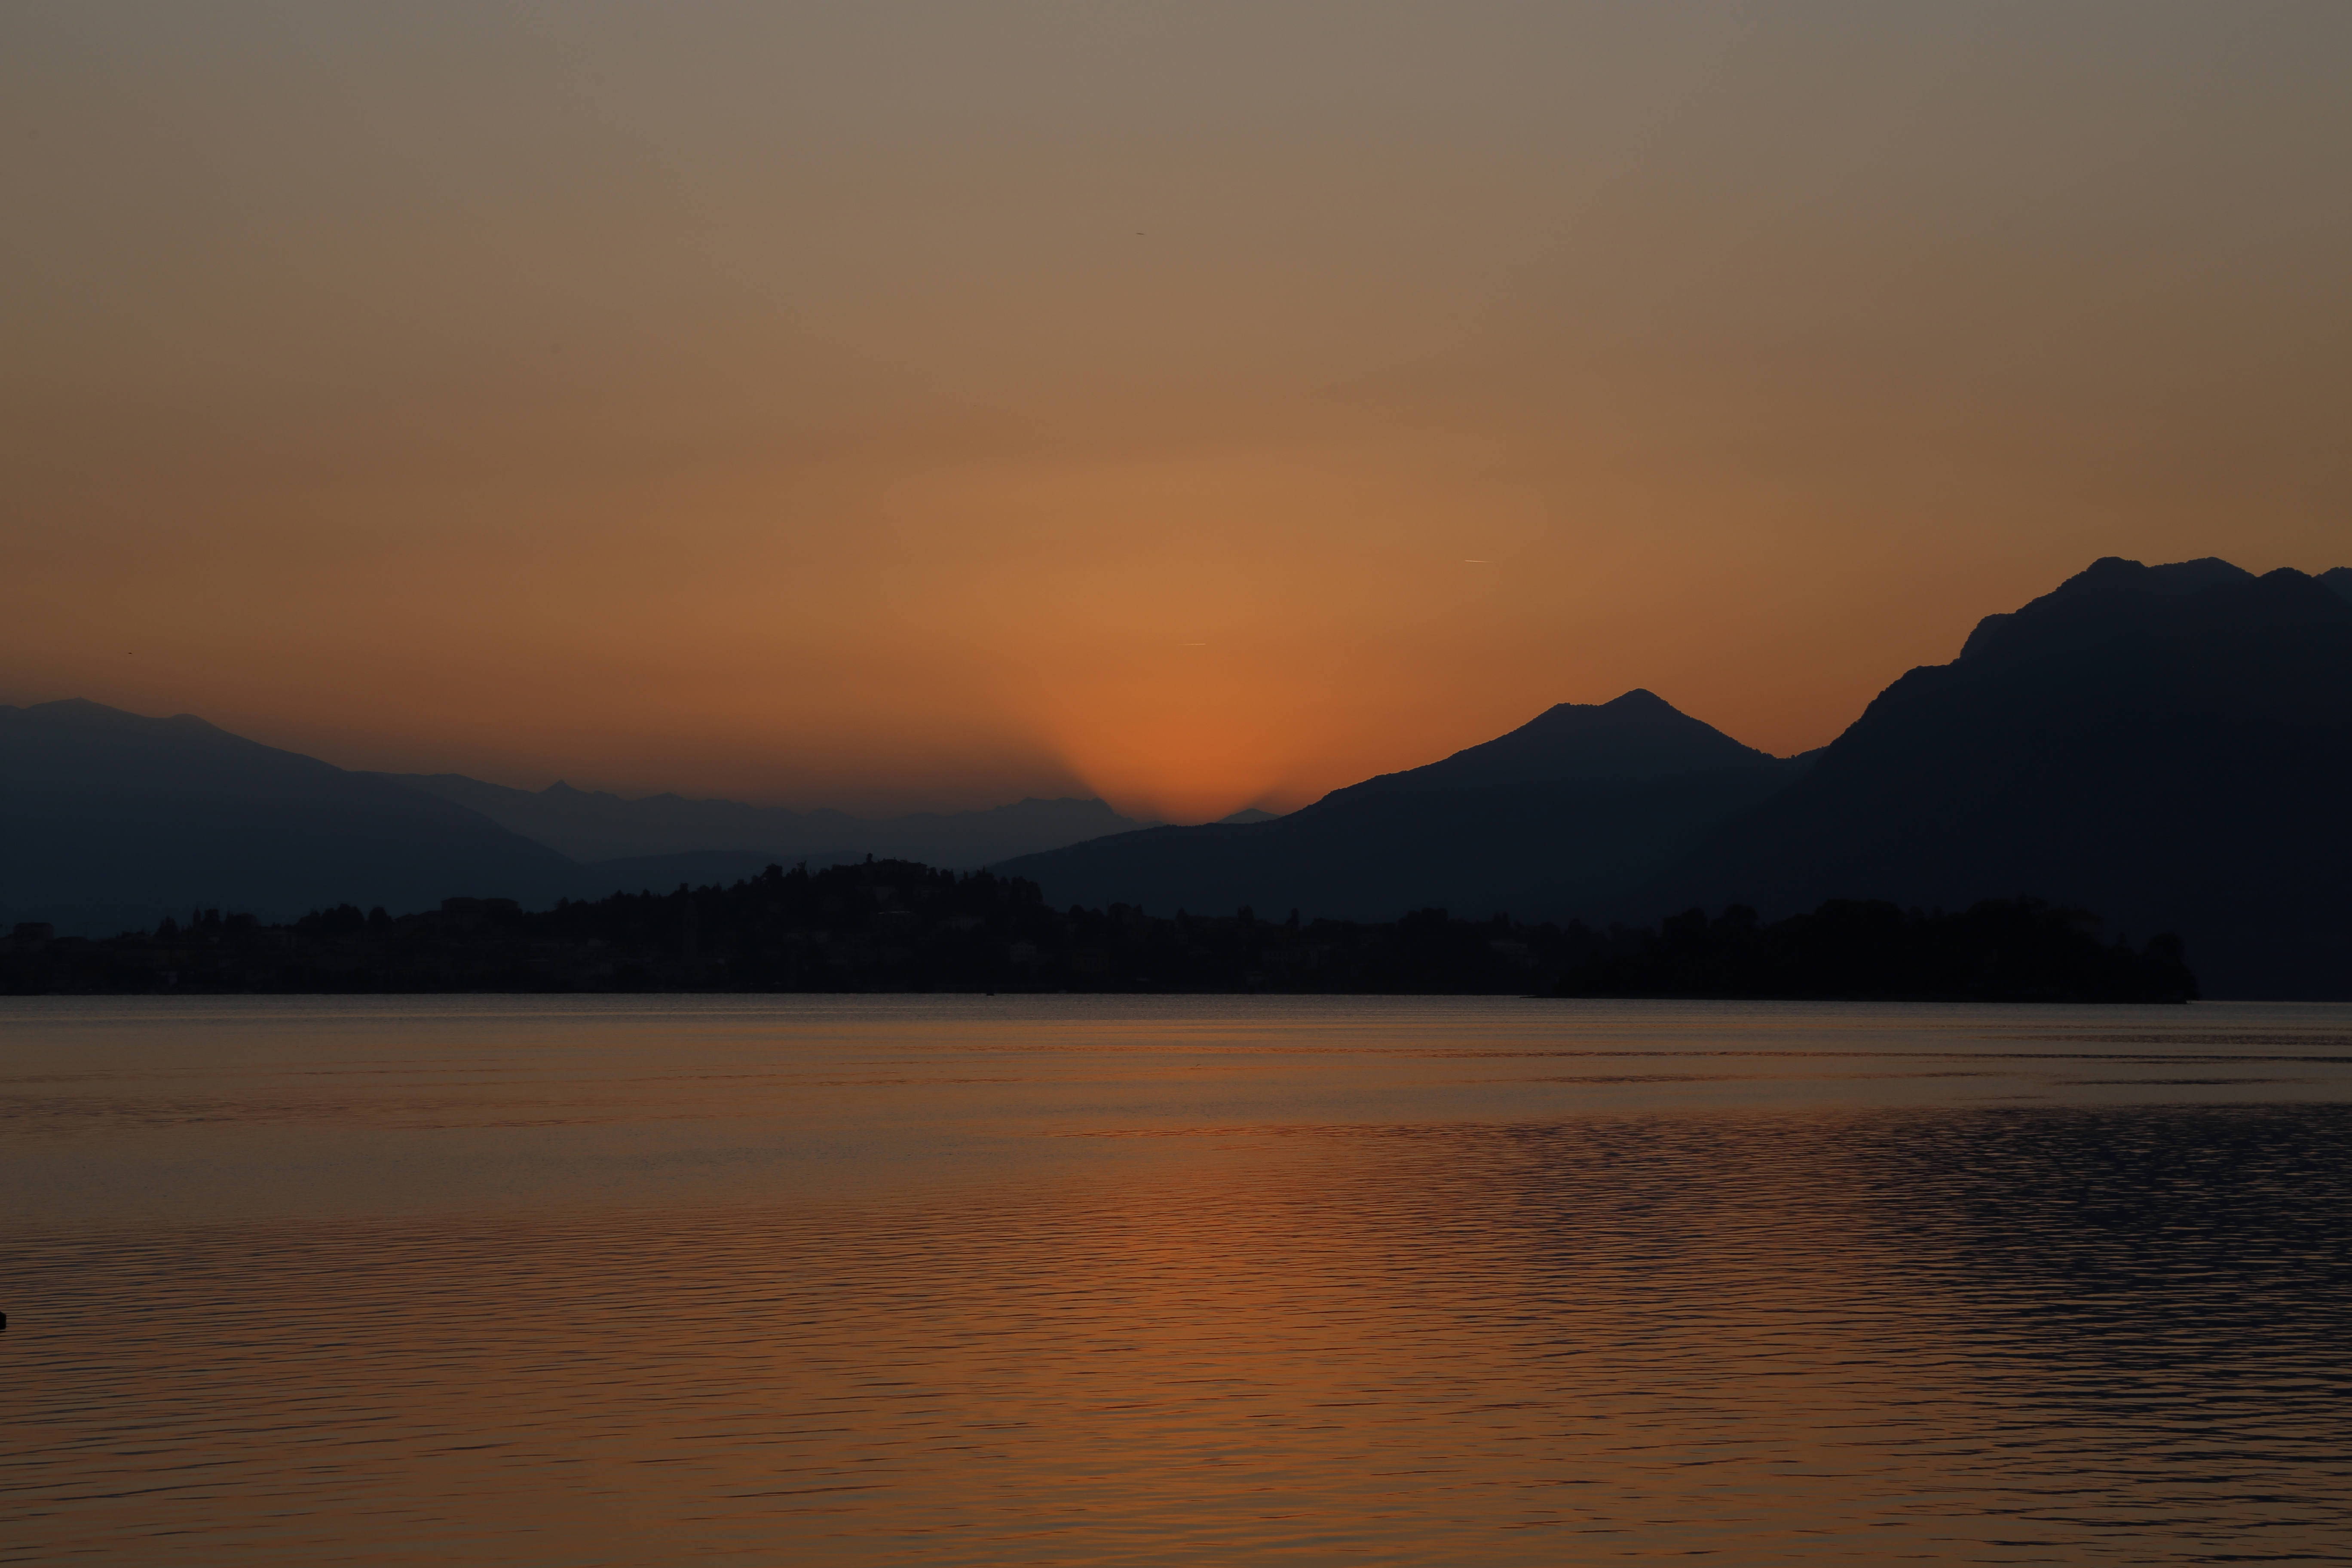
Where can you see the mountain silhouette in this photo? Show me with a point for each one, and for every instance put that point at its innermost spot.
(1572, 807)
(2170, 746)
(596, 825)
(110, 820)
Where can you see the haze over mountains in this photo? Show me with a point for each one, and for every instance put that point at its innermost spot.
(111, 820)
(590, 826)
(2170, 746)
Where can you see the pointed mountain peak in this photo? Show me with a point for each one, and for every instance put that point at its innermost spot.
(1631, 738)
(1639, 702)
(1639, 717)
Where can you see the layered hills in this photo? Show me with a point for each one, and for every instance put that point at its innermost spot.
(110, 820)
(597, 824)
(2170, 746)
(1553, 819)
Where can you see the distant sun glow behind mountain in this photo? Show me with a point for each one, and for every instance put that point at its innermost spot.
(927, 405)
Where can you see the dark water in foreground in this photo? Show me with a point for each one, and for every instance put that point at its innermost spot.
(1072, 1280)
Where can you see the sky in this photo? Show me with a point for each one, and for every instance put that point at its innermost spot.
(916, 406)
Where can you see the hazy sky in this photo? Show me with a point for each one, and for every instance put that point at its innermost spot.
(888, 405)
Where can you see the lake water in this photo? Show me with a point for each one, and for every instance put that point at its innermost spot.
(1140, 1281)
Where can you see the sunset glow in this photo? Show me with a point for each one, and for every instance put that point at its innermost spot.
(1199, 406)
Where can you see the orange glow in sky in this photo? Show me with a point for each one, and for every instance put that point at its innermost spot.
(1202, 405)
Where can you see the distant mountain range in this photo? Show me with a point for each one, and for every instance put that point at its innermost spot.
(110, 821)
(1554, 818)
(2170, 746)
(594, 826)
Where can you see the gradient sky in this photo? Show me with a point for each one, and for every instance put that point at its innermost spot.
(896, 405)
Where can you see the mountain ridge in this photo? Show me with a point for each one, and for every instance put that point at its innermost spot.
(2167, 746)
(597, 824)
(1502, 826)
(110, 819)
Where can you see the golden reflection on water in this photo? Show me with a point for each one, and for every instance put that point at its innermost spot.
(918, 1287)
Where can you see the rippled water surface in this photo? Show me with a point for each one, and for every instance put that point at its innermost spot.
(1077, 1281)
